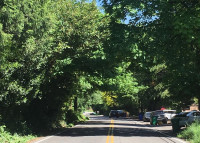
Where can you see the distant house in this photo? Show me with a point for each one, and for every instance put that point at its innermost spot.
(192, 107)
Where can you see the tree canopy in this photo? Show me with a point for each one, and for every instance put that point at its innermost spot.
(60, 55)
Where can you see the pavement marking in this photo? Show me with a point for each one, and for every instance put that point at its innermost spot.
(46, 138)
(110, 135)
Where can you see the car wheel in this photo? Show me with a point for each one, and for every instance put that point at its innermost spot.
(165, 121)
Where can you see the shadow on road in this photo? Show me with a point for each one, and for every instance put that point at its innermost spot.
(121, 128)
(118, 131)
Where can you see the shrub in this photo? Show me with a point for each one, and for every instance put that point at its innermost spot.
(73, 117)
(7, 137)
(191, 133)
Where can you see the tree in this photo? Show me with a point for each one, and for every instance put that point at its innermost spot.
(26, 26)
(167, 38)
(49, 53)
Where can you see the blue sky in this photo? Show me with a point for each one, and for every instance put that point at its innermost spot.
(98, 3)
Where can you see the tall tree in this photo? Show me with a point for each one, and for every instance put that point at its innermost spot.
(50, 52)
(170, 38)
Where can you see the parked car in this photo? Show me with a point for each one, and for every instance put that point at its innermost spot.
(160, 116)
(113, 113)
(146, 117)
(187, 118)
(121, 113)
(169, 114)
(117, 113)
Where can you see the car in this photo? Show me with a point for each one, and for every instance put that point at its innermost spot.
(117, 113)
(160, 116)
(121, 113)
(187, 118)
(169, 114)
(113, 113)
(146, 117)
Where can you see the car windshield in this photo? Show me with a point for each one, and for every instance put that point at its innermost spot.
(147, 113)
(182, 114)
(159, 112)
(120, 111)
(113, 111)
(196, 114)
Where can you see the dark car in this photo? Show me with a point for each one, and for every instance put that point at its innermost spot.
(160, 116)
(121, 113)
(113, 113)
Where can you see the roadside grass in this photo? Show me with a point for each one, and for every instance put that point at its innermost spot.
(191, 133)
(7, 137)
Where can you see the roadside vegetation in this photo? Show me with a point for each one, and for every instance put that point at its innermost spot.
(7, 137)
(191, 133)
(61, 57)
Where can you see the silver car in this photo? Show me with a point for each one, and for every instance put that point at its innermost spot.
(146, 117)
(189, 118)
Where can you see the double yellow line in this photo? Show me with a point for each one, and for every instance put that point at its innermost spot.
(110, 136)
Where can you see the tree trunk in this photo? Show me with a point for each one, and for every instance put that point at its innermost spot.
(198, 72)
(198, 102)
(75, 103)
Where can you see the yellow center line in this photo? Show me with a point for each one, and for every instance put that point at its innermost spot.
(110, 133)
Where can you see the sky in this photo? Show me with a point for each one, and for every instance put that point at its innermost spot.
(98, 3)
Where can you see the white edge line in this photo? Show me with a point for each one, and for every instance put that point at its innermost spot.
(46, 138)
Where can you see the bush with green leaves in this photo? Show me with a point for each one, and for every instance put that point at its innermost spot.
(6, 137)
(191, 133)
(73, 117)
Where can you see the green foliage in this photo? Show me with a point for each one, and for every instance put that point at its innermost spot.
(49, 53)
(191, 133)
(92, 99)
(164, 34)
(53, 52)
(6, 137)
(126, 82)
(73, 117)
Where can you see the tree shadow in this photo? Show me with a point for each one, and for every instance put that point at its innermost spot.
(117, 131)
(121, 128)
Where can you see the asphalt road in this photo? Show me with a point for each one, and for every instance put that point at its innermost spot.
(101, 129)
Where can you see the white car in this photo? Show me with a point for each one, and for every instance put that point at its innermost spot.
(169, 114)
